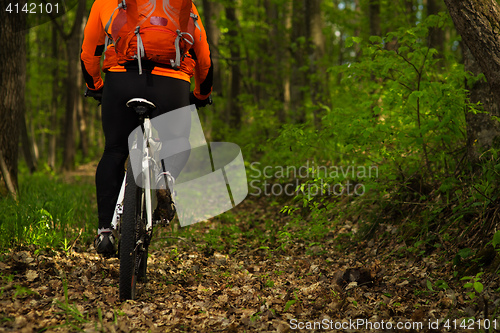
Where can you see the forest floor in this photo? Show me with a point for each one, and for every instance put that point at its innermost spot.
(369, 286)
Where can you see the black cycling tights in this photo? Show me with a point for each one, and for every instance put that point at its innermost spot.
(118, 122)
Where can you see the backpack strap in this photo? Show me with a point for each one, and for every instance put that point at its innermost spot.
(180, 35)
(109, 38)
(195, 20)
(140, 49)
(107, 42)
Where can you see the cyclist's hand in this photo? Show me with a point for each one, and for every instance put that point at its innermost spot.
(95, 94)
(199, 102)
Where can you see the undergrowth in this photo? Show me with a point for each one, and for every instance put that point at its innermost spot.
(49, 213)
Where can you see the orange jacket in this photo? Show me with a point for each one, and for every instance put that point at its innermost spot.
(197, 62)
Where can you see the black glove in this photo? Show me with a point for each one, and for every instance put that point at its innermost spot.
(199, 102)
(95, 94)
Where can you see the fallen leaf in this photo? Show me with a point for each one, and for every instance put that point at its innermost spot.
(31, 275)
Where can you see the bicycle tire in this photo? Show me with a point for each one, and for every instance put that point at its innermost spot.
(133, 259)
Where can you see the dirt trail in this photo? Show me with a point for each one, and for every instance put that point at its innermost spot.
(243, 288)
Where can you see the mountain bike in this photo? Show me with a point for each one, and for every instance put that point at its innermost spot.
(133, 218)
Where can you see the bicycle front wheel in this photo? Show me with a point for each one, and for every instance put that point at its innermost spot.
(133, 242)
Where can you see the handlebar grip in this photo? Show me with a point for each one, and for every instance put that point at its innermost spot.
(97, 95)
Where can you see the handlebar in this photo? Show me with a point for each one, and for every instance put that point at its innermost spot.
(199, 103)
(95, 94)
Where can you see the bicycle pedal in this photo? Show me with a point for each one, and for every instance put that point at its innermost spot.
(161, 222)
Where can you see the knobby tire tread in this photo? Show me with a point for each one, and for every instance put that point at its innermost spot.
(128, 279)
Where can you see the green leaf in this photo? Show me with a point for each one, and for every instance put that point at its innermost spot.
(465, 253)
(478, 286)
(350, 41)
(403, 49)
(442, 284)
(496, 238)
(375, 39)
(357, 39)
(289, 304)
(429, 285)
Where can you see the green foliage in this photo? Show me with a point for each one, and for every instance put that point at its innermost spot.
(73, 313)
(397, 108)
(409, 115)
(474, 284)
(46, 91)
(22, 292)
(402, 113)
(49, 213)
(389, 102)
(496, 239)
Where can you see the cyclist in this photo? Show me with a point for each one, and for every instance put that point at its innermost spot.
(168, 88)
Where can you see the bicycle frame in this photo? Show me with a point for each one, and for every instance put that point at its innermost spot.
(150, 150)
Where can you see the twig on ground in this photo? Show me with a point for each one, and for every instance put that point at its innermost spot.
(76, 239)
(178, 238)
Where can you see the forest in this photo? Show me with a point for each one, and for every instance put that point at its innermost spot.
(370, 134)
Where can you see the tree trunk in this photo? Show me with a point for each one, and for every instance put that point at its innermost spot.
(82, 118)
(359, 29)
(234, 111)
(27, 145)
(482, 129)
(70, 117)
(211, 11)
(12, 81)
(299, 79)
(51, 160)
(478, 22)
(82, 128)
(410, 12)
(287, 98)
(436, 35)
(73, 44)
(374, 13)
(316, 52)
